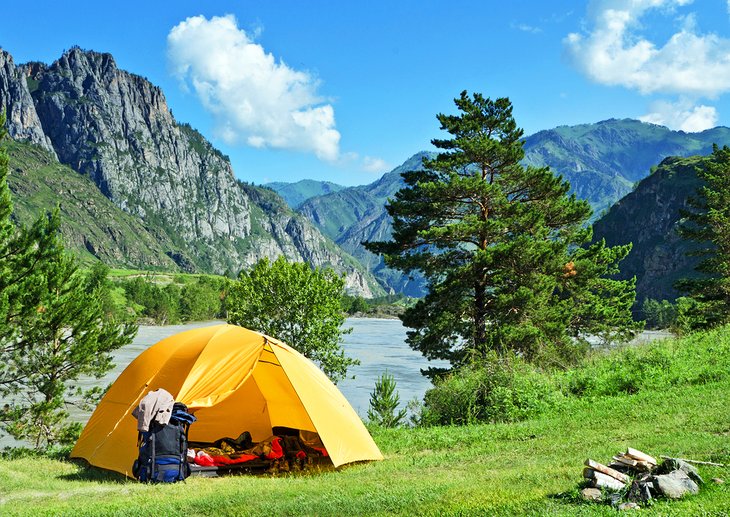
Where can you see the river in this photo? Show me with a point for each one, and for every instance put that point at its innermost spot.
(379, 345)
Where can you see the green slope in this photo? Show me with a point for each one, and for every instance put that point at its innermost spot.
(93, 227)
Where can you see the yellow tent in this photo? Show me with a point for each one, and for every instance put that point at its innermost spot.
(234, 380)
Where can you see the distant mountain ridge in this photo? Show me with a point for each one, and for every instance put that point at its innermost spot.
(297, 193)
(175, 202)
(115, 128)
(357, 214)
(602, 161)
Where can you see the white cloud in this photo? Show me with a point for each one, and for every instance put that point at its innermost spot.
(364, 163)
(255, 99)
(528, 28)
(375, 165)
(614, 52)
(682, 115)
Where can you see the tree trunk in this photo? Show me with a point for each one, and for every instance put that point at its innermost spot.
(480, 316)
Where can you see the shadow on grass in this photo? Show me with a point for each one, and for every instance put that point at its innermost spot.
(572, 496)
(566, 497)
(88, 473)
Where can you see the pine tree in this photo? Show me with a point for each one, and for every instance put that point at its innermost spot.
(384, 400)
(21, 251)
(53, 328)
(69, 335)
(707, 223)
(500, 246)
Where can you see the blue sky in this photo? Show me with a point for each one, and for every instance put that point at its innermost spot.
(345, 91)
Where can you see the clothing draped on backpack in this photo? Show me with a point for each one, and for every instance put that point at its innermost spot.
(163, 444)
(156, 406)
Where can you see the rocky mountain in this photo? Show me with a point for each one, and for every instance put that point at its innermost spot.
(297, 193)
(91, 225)
(648, 218)
(15, 99)
(115, 128)
(357, 214)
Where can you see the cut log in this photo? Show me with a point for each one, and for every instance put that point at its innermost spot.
(601, 480)
(638, 455)
(625, 460)
(644, 466)
(623, 478)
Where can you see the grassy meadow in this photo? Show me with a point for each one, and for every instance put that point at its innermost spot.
(668, 398)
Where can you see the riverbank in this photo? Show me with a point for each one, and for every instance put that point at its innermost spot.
(675, 405)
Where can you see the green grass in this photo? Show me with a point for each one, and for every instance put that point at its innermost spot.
(525, 468)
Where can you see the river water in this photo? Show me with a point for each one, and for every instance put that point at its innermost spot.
(379, 345)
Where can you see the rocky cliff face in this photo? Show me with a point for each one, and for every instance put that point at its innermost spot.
(116, 128)
(648, 218)
(15, 99)
(91, 225)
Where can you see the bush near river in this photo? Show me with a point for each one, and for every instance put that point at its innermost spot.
(668, 397)
(165, 298)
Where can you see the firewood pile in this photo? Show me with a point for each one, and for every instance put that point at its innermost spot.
(633, 478)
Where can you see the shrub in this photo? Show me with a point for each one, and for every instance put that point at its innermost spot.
(354, 304)
(496, 390)
(692, 315)
(508, 389)
(201, 300)
(696, 359)
(659, 314)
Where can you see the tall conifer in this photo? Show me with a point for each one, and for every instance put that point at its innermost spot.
(500, 246)
(53, 329)
(707, 222)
